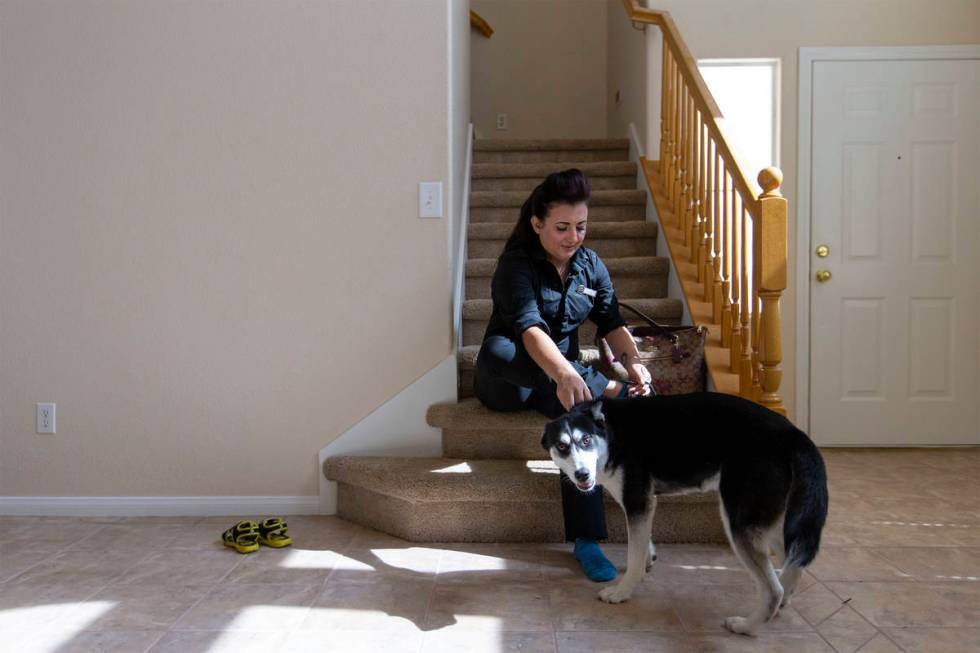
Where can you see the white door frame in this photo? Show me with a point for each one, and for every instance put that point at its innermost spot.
(808, 57)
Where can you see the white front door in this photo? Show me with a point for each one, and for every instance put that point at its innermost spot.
(895, 198)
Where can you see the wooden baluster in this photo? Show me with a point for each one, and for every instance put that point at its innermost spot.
(676, 140)
(772, 283)
(707, 270)
(735, 361)
(726, 264)
(694, 224)
(683, 211)
(668, 177)
(745, 364)
(716, 253)
(756, 313)
(679, 174)
(664, 120)
(703, 221)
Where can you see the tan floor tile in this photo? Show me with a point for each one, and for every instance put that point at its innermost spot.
(216, 641)
(936, 640)
(913, 604)
(608, 642)
(348, 641)
(134, 536)
(180, 567)
(283, 566)
(880, 644)
(472, 641)
(591, 642)
(577, 607)
(932, 564)
(521, 607)
(471, 563)
(704, 609)
(134, 607)
(70, 641)
(19, 561)
(372, 563)
(250, 607)
(46, 535)
(697, 565)
(888, 532)
(847, 631)
(815, 603)
(93, 568)
(391, 604)
(854, 564)
(32, 607)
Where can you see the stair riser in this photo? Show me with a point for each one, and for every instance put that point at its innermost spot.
(621, 213)
(548, 156)
(528, 184)
(489, 444)
(604, 247)
(538, 521)
(651, 287)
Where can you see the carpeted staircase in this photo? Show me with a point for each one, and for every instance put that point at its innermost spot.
(494, 483)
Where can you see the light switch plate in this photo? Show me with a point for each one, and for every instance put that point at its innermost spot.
(430, 199)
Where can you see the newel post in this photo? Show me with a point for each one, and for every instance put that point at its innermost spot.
(773, 239)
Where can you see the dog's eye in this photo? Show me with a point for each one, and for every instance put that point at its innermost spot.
(562, 447)
(586, 441)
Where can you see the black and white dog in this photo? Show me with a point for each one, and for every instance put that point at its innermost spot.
(770, 477)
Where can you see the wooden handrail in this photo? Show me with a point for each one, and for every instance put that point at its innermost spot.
(480, 24)
(728, 242)
(698, 88)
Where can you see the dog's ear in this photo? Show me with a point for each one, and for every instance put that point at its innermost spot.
(544, 441)
(596, 411)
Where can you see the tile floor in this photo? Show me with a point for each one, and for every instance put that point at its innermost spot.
(899, 571)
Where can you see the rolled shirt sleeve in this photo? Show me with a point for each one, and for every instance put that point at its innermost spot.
(515, 296)
(605, 311)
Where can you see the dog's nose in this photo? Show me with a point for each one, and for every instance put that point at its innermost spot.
(581, 475)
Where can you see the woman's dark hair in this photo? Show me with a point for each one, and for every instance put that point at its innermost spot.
(566, 187)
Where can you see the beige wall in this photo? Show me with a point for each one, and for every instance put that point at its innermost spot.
(626, 74)
(759, 28)
(545, 67)
(209, 250)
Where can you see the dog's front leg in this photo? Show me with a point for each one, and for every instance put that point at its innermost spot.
(638, 527)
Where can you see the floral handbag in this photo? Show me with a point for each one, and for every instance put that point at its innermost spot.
(674, 355)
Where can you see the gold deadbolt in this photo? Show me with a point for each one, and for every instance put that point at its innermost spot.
(823, 251)
(823, 275)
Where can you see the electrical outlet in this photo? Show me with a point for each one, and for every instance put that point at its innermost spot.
(430, 199)
(502, 121)
(46, 418)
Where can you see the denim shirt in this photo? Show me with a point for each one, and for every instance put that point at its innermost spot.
(527, 291)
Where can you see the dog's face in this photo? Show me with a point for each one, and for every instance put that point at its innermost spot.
(576, 442)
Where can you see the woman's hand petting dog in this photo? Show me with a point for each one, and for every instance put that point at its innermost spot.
(640, 376)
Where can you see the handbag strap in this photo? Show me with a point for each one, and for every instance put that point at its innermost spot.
(656, 326)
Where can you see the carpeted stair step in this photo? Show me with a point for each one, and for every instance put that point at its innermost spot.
(456, 500)
(476, 314)
(633, 276)
(509, 214)
(603, 175)
(608, 239)
(492, 150)
(513, 199)
(466, 365)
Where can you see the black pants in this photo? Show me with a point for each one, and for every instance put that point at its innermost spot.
(508, 379)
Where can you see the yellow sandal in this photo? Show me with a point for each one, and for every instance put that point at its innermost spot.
(243, 536)
(273, 532)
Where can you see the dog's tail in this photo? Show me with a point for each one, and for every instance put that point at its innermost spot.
(806, 509)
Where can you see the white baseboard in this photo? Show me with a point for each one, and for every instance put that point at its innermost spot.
(396, 428)
(216, 506)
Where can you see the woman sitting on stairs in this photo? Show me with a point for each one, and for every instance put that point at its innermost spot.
(545, 286)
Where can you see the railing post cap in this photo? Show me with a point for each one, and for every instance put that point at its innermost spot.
(770, 179)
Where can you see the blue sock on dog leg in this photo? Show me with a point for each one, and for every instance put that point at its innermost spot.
(594, 563)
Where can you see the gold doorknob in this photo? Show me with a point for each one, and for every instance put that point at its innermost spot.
(823, 275)
(823, 251)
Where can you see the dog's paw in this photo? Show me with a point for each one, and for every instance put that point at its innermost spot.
(785, 602)
(615, 594)
(739, 626)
